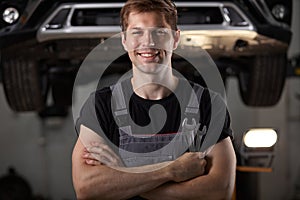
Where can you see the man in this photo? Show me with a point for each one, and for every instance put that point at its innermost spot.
(102, 172)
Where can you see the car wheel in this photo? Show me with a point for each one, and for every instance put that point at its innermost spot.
(22, 84)
(262, 83)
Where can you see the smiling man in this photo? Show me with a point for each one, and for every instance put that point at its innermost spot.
(153, 158)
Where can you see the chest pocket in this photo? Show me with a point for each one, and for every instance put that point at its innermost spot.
(137, 150)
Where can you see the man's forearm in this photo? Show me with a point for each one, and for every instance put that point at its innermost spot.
(94, 180)
(202, 187)
(102, 182)
(107, 183)
(217, 183)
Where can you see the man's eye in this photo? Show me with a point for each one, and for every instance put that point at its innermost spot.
(137, 32)
(161, 32)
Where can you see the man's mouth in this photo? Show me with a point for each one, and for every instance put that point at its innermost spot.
(148, 54)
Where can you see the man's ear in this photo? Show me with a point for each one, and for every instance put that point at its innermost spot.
(123, 35)
(176, 39)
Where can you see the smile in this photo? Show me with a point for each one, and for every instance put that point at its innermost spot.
(148, 54)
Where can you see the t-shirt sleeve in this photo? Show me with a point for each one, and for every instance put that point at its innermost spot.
(87, 116)
(96, 114)
(215, 116)
(226, 131)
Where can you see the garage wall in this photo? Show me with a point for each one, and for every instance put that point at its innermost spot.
(281, 183)
(40, 151)
(284, 182)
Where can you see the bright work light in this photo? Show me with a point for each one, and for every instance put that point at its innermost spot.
(279, 11)
(257, 147)
(260, 137)
(10, 15)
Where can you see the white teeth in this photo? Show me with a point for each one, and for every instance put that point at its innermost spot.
(147, 54)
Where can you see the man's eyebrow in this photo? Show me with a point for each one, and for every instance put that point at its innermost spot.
(136, 28)
(140, 28)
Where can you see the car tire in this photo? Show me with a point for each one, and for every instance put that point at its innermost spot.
(262, 83)
(22, 85)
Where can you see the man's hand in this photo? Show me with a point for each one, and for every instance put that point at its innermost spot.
(187, 166)
(100, 153)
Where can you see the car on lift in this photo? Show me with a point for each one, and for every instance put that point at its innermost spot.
(44, 42)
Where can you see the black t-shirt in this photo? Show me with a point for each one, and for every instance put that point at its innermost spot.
(97, 113)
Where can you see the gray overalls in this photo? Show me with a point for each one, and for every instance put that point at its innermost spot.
(143, 150)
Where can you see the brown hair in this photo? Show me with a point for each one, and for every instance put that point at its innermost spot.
(165, 7)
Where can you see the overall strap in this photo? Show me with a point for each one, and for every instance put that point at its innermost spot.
(119, 108)
(192, 108)
(191, 122)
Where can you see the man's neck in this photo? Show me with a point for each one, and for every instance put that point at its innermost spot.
(152, 86)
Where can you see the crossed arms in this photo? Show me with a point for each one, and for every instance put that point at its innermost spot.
(99, 174)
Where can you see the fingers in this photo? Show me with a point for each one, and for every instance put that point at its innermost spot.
(100, 160)
(99, 153)
(96, 159)
(190, 155)
(188, 166)
(102, 153)
(201, 155)
(92, 162)
(101, 148)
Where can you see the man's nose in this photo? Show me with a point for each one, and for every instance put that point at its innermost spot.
(148, 39)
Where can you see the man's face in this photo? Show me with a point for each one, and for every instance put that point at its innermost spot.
(149, 41)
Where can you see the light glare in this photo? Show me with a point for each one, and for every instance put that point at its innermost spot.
(260, 138)
(10, 15)
(279, 11)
